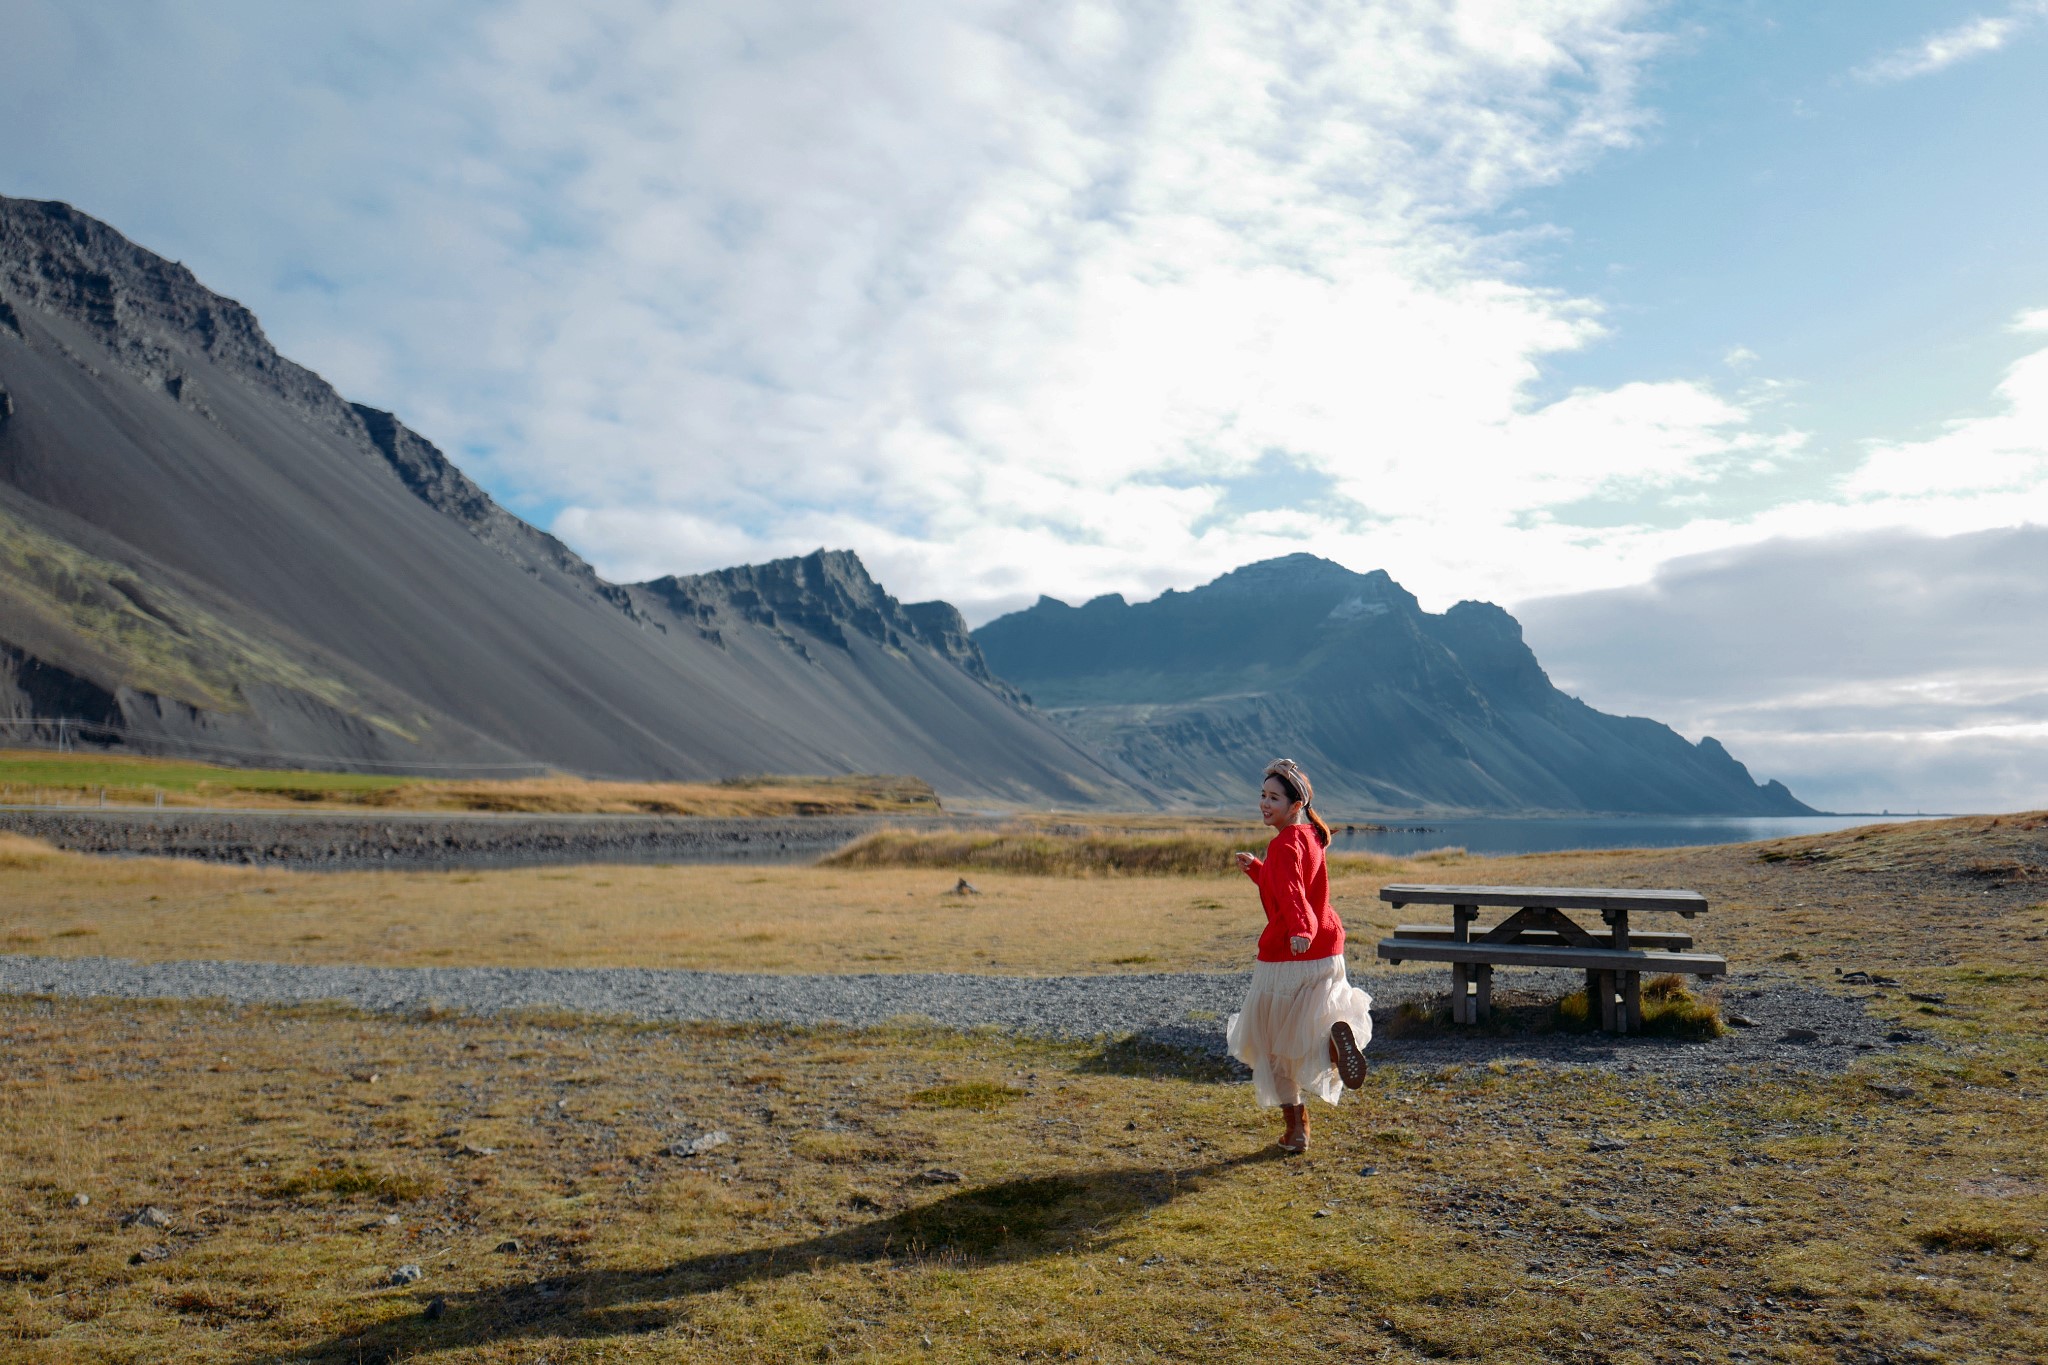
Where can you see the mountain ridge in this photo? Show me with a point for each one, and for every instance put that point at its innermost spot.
(1396, 709)
(286, 571)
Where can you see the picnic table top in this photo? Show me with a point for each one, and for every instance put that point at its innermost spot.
(1557, 897)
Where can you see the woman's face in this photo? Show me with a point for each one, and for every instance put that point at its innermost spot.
(1276, 807)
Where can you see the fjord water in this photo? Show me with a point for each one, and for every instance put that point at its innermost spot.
(1535, 834)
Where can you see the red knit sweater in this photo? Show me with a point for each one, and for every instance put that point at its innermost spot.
(1294, 886)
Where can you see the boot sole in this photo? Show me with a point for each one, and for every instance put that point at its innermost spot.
(1350, 1061)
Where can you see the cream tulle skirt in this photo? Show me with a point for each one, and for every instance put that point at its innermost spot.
(1283, 1031)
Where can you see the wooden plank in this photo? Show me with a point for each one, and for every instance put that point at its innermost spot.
(1607, 1019)
(1461, 975)
(1617, 926)
(1638, 938)
(1461, 921)
(1537, 955)
(1559, 897)
(1515, 927)
(1482, 997)
(1631, 1002)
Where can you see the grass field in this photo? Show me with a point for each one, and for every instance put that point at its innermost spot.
(1803, 905)
(909, 1194)
(40, 777)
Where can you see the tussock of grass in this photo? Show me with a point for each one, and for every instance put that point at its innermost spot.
(983, 1095)
(1975, 1236)
(391, 1187)
(1670, 1010)
(1041, 852)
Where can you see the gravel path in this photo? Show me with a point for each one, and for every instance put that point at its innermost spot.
(1180, 1009)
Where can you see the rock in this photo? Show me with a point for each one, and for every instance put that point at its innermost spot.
(1898, 1035)
(1927, 997)
(1131, 1127)
(148, 1216)
(1601, 1143)
(79, 1201)
(1154, 1259)
(365, 1077)
(436, 1308)
(1799, 1035)
(939, 1176)
(1320, 1213)
(1368, 1170)
(1853, 978)
(511, 1246)
(1739, 1021)
(1895, 1092)
(406, 1274)
(148, 1254)
(475, 1149)
(698, 1146)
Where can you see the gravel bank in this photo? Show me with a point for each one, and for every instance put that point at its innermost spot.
(336, 841)
(1181, 1009)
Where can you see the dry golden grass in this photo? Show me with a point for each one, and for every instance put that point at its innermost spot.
(39, 777)
(1101, 1205)
(1111, 1203)
(1035, 848)
(1910, 895)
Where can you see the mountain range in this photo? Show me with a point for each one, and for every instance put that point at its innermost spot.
(1389, 707)
(205, 549)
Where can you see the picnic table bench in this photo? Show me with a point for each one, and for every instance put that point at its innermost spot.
(1538, 933)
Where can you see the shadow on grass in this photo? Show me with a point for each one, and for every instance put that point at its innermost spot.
(1182, 1052)
(1014, 1220)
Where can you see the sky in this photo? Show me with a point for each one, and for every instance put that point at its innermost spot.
(1675, 328)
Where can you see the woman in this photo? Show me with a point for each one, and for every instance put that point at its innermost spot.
(1303, 1022)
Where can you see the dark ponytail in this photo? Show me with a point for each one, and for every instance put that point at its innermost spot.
(1295, 783)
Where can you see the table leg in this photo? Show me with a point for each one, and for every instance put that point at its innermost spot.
(1483, 998)
(1631, 1002)
(1461, 1008)
(1608, 1022)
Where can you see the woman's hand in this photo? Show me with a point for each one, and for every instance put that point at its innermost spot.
(1244, 861)
(1298, 944)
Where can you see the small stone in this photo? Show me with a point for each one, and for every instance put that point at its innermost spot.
(1739, 1020)
(701, 1144)
(1799, 1035)
(1894, 1092)
(1131, 1127)
(1601, 1143)
(475, 1149)
(79, 1201)
(509, 1247)
(148, 1216)
(148, 1254)
(1320, 1213)
(436, 1308)
(925, 1339)
(1154, 1259)
(939, 1176)
(1928, 997)
(363, 1077)
(1368, 1170)
(406, 1274)
(1898, 1035)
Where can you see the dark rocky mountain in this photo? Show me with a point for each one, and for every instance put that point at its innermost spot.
(203, 544)
(1390, 708)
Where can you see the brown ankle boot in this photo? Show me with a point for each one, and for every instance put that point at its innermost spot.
(1295, 1138)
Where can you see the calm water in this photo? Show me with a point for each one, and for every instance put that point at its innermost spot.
(1538, 835)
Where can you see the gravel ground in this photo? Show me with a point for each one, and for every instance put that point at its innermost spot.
(1179, 1009)
(344, 841)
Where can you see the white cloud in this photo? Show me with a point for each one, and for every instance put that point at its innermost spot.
(2004, 453)
(2031, 320)
(1867, 670)
(1973, 38)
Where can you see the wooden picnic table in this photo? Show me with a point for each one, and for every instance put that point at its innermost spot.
(1538, 933)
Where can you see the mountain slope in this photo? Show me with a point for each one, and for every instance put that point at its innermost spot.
(206, 543)
(1390, 707)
